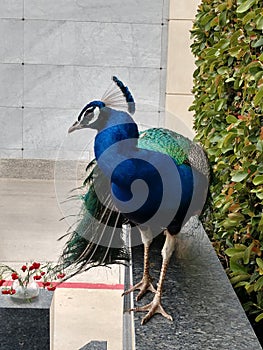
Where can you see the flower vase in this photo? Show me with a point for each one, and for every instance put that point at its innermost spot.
(26, 291)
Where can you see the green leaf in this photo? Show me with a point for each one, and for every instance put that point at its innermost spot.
(223, 18)
(235, 36)
(259, 262)
(258, 97)
(249, 288)
(259, 145)
(231, 119)
(234, 251)
(247, 253)
(259, 284)
(241, 247)
(219, 105)
(259, 23)
(258, 180)
(259, 195)
(242, 284)
(234, 51)
(236, 266)
(239, 278)
(245, 6)
(258, 43)
(228, 140)
(248, 17)
(229, 224)
(239, 176)
(223, 70)
(259, 317)
(206, 18)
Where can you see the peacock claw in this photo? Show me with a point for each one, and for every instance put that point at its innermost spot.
(144, 285)
(153, 308)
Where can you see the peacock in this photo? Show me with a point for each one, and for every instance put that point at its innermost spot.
(153, 181)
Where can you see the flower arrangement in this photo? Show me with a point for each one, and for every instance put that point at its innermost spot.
(12, 281)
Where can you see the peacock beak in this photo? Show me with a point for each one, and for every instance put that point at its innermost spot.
(75, 126)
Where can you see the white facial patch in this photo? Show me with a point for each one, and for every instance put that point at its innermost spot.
(96, 114)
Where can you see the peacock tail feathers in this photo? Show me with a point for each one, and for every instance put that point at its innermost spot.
(97, 239)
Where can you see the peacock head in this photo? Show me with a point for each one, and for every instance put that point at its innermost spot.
(88, 117)
(117, 96)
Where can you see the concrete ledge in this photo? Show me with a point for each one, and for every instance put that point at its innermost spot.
(42, 169)
(197, 293)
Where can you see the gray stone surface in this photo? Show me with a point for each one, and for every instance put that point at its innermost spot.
(95, 345)
(55, 56)
(66, 37)
(26, 325)
(206, 312)
(12, 50)
(146, 11)
(11, 8)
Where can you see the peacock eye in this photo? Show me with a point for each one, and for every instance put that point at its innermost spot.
(88, 111)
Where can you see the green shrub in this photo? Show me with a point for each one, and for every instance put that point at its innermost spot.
(228, 104)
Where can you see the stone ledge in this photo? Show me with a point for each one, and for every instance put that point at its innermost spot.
(42, 169)
(197, 293)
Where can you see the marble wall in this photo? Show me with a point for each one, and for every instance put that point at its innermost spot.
(55, 56)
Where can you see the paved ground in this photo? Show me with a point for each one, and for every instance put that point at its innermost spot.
(29, 229)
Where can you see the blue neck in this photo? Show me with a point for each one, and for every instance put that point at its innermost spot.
(116, 140)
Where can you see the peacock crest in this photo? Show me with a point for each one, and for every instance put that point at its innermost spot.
(119, 96)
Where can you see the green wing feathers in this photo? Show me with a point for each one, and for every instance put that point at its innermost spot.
(167, 142)
(178, 147)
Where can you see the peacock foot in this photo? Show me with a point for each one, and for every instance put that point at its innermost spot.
(152, 308)
(144, 285)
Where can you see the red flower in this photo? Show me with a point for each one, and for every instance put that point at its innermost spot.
(61, 275)
(37, 277)
(8, 291)
(43, 273)
(14, 276)
(36, 265)
(46, 284)
(24, 268)
(51, 288)
(2, 282)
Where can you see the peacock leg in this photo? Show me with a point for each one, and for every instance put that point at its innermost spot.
(155, 306)
(146, 283)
